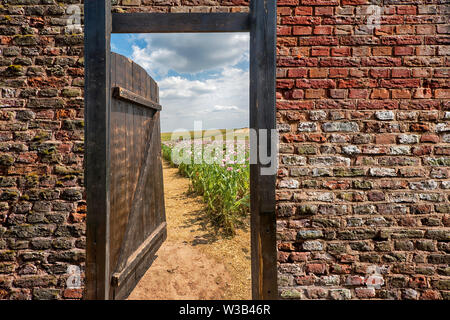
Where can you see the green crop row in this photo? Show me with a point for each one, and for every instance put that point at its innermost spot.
(224, 186)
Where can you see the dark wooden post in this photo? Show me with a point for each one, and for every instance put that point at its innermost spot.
(262, 116)
(97, 17)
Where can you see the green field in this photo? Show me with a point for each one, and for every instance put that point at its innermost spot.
(224, 184)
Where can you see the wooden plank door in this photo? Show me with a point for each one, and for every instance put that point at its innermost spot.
(137, 218)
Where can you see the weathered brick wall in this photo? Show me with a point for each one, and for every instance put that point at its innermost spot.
(365, 152)
(357, 187)
(42, 212)
(41, 150)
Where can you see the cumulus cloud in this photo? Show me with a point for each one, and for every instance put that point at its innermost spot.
(200, 76)
(225, 108)
(220, 102)
(190, 53)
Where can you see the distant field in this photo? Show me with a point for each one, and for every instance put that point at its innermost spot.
(224, 184)
(243, 132)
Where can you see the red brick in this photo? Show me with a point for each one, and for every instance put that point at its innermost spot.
(385, 139)
(315, 83)
(317, 51)
(420, 127)
(400, 94)
(442, 93)
(430, 295)
(442, 151)
(285, 84)
(401, 73)
(305, 280)
(406, 10)
(421, 73)
(429, 138)
(338, 93)
(323, 11)
(302, 30)
(293, 137)
(73, 293)
(288, 2)
(297, 94)
(382, 51)
(319, 41)
(380, 73)
(316, 137)
(316, 268)
(287, 41)
(365, 293)
(338, 73)
(301, 20)
(354, 2)
(422, 93)
(340, 52)
(400, 83)
(282, 256)
(284, 31)
(318, 73)
(404, 29)
(403, 51)
(358, 93)
(323, 30)
(300, 105)
(320, 2)
(379, 94)
(284, 11)
(299, 256)
(315, 93)
(425, 29)
(297, 73)
(303, 11)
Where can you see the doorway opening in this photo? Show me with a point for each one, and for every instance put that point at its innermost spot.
(103, 280)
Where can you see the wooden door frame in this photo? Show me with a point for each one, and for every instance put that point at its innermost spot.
(99, 24)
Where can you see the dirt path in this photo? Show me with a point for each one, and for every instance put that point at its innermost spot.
(194, 263)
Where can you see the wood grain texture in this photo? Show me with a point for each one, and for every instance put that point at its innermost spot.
(127, 95)
(262, 116)
(180, 22)
(137, 204)
(134, 259)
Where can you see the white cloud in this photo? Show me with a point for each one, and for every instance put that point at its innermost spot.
(208, 86)
(225, 108)
(221, 102)
(190, 53)
(181, 88)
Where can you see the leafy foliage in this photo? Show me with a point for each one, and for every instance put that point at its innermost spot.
(225, 188)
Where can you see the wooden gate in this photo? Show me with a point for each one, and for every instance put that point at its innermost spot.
(137, 218)
(137, 223)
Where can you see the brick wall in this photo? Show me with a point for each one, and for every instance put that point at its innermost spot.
(365, 132)
(42, 212)
(363, 177)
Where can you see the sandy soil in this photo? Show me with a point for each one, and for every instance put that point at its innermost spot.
(194, 262)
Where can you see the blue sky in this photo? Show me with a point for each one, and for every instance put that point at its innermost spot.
(200, 76)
